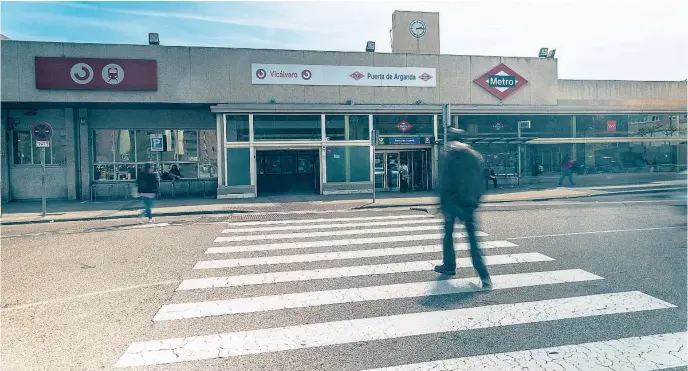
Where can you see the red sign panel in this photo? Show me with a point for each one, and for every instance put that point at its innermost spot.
(96, 74)
(404, 126)
(611, 126)
(501, 81)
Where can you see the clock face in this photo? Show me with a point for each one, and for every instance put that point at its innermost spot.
(417, 28)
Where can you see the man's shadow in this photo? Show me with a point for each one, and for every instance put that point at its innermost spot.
(445, 293)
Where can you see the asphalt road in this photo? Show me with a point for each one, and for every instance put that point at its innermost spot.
(93, 295)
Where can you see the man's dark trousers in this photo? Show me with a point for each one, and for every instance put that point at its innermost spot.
(449, 255)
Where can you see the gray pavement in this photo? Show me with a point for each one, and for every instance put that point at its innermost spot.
(588, 186)
(77, 295)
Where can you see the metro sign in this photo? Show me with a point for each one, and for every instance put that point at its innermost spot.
(501, 81)
(404, 126)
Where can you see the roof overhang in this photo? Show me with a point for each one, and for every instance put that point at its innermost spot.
(671, 140)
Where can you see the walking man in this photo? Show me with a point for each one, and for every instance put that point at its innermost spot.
(147, 183)
(461, 187)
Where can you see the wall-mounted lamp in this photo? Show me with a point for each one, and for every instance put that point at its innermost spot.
(153, 38)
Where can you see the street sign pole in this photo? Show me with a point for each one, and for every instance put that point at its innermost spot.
(373, 139)
(446, 121)
(44, 202)
(41, 133)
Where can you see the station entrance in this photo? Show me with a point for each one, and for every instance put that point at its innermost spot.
(388, 176)
(287, 171)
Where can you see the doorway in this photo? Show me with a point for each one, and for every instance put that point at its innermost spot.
(387, 166)
(288, 171)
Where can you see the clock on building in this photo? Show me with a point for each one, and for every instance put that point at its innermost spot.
(417, 28)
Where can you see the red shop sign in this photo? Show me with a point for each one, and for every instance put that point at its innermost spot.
(611, 126)
(96, 74)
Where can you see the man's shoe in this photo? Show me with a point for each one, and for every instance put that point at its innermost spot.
(444, 270)
(486, 283)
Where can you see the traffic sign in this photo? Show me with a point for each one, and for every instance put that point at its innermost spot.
(157, 143)
(42, 143)
(42, 131)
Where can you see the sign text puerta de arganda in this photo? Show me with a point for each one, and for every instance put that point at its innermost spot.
(298, 74)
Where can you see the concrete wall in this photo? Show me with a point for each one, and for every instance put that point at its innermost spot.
(614, 92)
(151, 119)
(221, 75)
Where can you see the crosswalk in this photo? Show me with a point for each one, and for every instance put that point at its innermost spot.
(260, 257)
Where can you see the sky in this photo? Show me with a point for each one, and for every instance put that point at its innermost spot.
(594, 39)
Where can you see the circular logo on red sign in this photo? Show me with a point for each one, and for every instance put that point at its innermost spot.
(261, 74)
(306, 74)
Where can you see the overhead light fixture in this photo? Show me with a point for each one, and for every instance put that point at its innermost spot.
(551, 53)
(370, 46)
(543, 52)
(153, 39)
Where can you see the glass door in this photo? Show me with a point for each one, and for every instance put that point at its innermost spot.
(392, 171)
(420, 172)
(380, 170)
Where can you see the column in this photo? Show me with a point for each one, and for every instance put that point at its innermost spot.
(220, 127)
(4, 158)
(72, 161)
(85, 160)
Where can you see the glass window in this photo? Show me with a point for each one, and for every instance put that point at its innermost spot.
(22, 148)
(347, 127)
(26, 152)
(348, 164)
(237, 128)
(404, 124)
(121, 154)
(286, 127)
(143, 146)
(238, 166)
(124, 146)
(180, 145)
(207, 141)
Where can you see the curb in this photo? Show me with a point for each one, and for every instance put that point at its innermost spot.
(415, 207)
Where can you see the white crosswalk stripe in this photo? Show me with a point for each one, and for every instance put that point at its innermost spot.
(339, 272)
(378, 237)
(331, 243)
(404, 290)
(340, 255)
(642, 353)
(377, 328)
(349, 232)
(332, 226)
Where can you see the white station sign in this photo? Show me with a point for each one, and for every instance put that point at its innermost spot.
(299, 74)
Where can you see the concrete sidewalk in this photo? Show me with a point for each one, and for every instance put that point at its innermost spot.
(62, 211)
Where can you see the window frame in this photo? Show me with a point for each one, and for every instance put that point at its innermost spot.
(159, 161)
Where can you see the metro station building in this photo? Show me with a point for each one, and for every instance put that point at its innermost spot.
(241, 123)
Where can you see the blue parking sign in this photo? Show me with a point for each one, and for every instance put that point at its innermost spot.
(156, 143)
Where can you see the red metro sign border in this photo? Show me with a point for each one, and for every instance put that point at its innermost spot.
(501, 81)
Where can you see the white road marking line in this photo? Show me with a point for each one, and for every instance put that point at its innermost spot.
(377, 328)
(340, 255)
(334, 225)
(330, 243)
(151, 225)
(327, 220)
(595, 232)
(359, 294)
(59, 300)
(355, 271)
(642, 353)
(347, 232)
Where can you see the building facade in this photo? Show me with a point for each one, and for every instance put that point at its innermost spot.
(245, 122)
